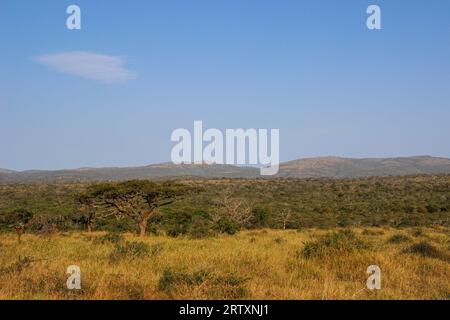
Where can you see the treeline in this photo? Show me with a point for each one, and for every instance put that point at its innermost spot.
(202, 208)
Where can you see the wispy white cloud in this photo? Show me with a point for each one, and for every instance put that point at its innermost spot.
(93, 66)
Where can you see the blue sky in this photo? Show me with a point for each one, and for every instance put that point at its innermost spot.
(310, 68)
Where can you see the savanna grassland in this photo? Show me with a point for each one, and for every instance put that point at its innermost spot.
(262, 264)
(227, 238)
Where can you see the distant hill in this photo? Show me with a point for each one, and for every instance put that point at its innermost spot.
(337, 167)
(6, 171)
(156, 171)
(322, 167)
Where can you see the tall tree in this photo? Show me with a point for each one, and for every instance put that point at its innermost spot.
(138, 199)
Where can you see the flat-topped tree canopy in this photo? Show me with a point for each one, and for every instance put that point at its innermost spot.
(137, 199)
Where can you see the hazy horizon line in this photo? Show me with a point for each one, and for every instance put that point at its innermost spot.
(224, 164)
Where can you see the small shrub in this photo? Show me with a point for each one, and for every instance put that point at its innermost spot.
(334, 242)
(178, 223)
(226, 286)
(261, 217)
(425, 249)
(129, 250)
(171, 278)
(196, 227)
(226, 226)
(110, 237)
(200, 228)
(398, 238)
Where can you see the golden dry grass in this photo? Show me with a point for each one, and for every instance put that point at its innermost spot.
(263, 264)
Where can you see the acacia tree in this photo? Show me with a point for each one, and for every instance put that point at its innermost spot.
(91, 208)
(138, 199)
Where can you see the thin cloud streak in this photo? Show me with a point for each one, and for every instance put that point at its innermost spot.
(92, 66)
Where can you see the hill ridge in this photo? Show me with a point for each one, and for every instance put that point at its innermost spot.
(313, 167)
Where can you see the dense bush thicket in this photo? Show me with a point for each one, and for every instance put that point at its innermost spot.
(228, 205)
